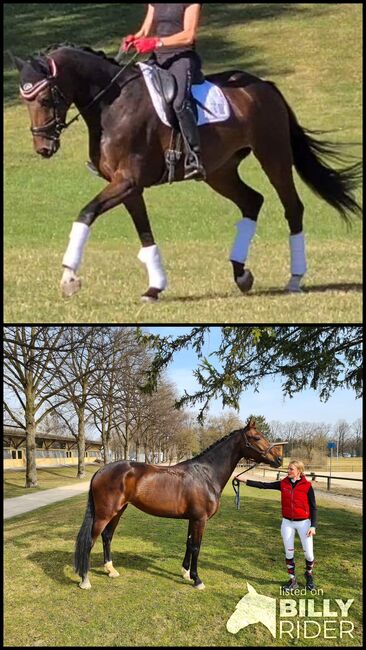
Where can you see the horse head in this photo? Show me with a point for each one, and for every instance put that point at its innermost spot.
(46, 102)
(258, 448)
(253, 608)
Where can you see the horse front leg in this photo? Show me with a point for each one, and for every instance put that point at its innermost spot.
(114, 194)
(149, 253)
(187, 558)
(198, 526)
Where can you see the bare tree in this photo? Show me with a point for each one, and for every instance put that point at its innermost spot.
(32, 358)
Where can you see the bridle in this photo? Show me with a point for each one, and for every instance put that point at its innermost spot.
(53, 129)
(235, 482)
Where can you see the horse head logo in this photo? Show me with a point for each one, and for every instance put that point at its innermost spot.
(253, 608)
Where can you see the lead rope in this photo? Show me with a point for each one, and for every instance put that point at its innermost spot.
(236, 485)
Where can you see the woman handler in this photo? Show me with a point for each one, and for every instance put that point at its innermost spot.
(299, 514)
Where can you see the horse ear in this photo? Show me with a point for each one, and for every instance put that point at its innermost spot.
(251, 589)
(19, 63)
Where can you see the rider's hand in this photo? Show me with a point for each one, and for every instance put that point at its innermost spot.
(127, 42)
(146, 45)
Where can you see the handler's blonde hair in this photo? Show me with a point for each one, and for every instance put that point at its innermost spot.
(300, 466)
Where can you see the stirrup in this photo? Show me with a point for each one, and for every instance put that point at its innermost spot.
(194, 169)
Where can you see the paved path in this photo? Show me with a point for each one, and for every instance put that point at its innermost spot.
(19, 505)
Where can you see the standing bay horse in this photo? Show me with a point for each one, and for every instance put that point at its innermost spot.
(128, 144)
(189, 490)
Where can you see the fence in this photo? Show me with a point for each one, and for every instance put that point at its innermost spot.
(313, 475)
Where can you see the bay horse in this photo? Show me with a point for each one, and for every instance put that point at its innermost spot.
(188, 490)
(128, 143)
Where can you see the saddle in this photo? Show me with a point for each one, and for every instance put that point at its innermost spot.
(207, 101)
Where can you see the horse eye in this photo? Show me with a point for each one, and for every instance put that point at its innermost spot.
(256, 437)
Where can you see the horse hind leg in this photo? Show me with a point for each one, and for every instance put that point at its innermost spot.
(227, 182)
(107, 535)
(276, 160)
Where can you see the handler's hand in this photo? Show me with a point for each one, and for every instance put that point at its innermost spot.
(311, 532)
(242, 480)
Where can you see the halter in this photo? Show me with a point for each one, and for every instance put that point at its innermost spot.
(53, 129)
(235, 483)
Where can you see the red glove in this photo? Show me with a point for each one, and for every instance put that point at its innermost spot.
(127, 42)
(145, 45)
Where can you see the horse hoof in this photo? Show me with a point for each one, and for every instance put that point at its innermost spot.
(245, 281)
(200, 586)
(151, 295)
(185, 573)
(70, 287)
(109, 568)
(85, 584)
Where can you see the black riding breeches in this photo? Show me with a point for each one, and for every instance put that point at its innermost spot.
(186, 70)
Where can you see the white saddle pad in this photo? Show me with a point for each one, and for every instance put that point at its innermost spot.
(207, 93)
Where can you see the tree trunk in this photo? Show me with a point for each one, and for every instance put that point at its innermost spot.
(81, 445)
(31, 468)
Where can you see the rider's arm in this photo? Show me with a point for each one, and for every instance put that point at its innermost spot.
(147, 24)
(188, 35)
(275, 485)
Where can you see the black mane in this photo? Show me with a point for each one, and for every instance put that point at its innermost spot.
(215, 444)
(84, 48)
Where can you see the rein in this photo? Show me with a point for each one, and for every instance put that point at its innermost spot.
(105, 90)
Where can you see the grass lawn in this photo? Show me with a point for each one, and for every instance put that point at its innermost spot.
(150, 604)
(48, 478)
(313, 53)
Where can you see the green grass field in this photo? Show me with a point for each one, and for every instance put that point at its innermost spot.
(150, 604)
(48, 478)
(313, 53)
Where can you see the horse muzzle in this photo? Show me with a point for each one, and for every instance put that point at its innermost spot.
(50, 150)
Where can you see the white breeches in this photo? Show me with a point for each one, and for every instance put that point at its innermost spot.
(288, 529)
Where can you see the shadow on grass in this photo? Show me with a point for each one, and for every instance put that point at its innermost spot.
(31, 27)
(321, 288)
(244, 544)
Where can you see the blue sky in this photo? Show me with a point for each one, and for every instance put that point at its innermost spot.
(269, 402)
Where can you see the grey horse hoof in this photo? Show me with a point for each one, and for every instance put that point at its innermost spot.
(68, 288)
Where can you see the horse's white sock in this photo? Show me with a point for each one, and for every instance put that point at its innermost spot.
(298, 255)
(74, 252)
(246, 231)
(150, 256)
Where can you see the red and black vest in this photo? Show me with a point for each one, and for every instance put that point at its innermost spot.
(294, 498)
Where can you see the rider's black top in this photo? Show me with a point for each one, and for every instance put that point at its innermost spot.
(169, 20)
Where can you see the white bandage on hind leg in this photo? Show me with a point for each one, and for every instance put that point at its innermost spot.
(298, 255)
(246, 231)
(74, 252)
(150, 256)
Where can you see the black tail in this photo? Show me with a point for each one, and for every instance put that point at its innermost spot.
(336, 187)
(84, 539)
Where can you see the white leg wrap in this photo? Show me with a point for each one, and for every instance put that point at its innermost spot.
(246, 231)
(78, 237)
(150, 256)
(298, 255)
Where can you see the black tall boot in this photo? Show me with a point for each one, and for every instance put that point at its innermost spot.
(193, 167)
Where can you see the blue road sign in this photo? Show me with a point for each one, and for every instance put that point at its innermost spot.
(332, 445)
